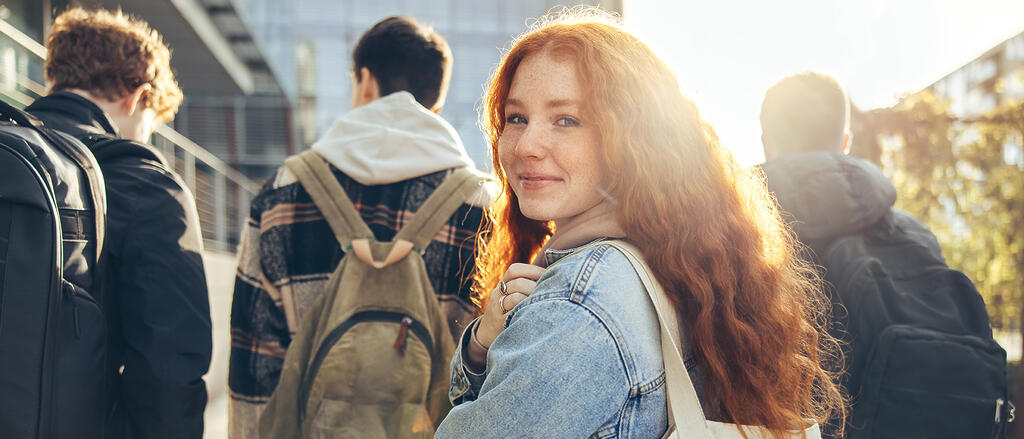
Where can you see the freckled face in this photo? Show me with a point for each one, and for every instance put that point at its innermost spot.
(549, 150)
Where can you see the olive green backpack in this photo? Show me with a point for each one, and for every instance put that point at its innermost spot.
(371, 358)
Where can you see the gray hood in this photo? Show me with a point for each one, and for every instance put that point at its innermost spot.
(391, 139)
(825, 194)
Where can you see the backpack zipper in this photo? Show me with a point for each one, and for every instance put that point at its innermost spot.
(402, 332)
(408, 323)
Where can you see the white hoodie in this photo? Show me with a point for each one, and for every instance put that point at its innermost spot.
(391, 139)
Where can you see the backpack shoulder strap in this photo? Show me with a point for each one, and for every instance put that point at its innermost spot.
(442, 203)
(316, 177)
(79, 154)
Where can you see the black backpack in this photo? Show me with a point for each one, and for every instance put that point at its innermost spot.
(923, 362)
(53, 334)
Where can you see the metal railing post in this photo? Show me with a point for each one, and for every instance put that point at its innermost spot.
(221, 209)
(168, 149)
(189, 171)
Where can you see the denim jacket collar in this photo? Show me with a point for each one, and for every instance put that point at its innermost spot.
(552, 256)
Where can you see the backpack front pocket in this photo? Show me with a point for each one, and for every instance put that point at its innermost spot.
(80, 372)
(337, 418)
(925, 383)
(370, 374)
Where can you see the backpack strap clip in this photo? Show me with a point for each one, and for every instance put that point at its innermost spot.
(361, 248)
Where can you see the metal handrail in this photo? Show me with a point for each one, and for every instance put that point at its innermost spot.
(18, 96)
(208, 158)
(24, 40)
(33, 86)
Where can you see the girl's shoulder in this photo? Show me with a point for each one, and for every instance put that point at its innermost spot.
(590, 271)
(602, 281)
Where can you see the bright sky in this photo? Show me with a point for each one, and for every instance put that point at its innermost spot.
(728, 52)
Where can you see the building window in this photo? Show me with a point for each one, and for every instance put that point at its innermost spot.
(305, 64)
(1015, 49)
(1014, 84)
(25, 15)
(473, 17)
(981, 70)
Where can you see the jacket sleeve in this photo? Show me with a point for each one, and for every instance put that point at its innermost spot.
(465, 383)
(555, 367)
(163, 304)
(259, 332)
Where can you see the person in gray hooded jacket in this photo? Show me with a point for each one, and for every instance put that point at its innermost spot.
(883, 269)
(824, 192)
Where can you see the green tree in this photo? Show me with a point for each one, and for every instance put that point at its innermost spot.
(965, 179)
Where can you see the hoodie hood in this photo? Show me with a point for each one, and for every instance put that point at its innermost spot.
(825, 194)
(391, 139)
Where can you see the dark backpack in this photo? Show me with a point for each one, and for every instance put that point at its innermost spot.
(923, 362)
(53, 334)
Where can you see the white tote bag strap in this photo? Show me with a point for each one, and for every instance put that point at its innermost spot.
(686, 417)
(685, 413)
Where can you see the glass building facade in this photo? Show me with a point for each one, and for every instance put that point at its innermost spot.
(308, 44)
(302, 49)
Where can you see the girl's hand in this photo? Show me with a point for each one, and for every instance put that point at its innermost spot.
(517, 283)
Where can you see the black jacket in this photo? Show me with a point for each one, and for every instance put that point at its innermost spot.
(153, 282)
(827, 197)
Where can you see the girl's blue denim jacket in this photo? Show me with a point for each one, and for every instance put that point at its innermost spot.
(580, 357)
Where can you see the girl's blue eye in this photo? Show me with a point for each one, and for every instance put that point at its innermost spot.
(515, 118)
(567, 122)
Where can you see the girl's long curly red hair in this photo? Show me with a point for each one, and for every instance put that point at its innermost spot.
(708, 229)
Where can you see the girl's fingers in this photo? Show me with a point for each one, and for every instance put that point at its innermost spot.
(520, 285)
(527, 271)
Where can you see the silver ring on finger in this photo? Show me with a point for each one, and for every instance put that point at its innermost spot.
(501, 304)
(503, 288)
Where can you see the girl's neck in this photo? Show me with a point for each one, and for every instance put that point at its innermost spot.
(599, 221)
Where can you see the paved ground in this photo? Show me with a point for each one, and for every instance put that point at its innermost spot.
(220, 275)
